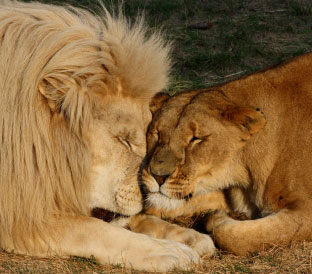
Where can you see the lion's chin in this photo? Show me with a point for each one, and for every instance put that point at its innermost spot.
(161, 201)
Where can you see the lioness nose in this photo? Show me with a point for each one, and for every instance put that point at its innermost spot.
(160, 178)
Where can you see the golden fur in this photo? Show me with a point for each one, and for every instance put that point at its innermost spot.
(204, 141)
(75, 89)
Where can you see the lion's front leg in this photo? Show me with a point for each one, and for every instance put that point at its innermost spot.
(155, 227)
(86, 236)
(241, 237)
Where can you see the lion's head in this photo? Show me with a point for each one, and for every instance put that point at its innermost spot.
(118, 146)
(193, 142)
(75, 90)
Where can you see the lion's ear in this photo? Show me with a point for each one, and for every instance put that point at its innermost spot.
(157, 101)
(249, 120)
(54, 91)
(66, 97)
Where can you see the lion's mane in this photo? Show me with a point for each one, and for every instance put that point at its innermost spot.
(61, 53)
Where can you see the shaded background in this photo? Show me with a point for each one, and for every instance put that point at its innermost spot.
(219, 40)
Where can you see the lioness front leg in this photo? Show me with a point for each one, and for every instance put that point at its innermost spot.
(86, 236)
(155, 227)
(241, 237)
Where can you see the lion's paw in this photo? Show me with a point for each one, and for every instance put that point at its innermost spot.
(165, 255)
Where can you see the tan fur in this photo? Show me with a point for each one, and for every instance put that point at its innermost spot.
(157, 228)
(75, 89)
(216, 139)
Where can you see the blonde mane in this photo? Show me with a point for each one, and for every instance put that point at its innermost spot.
(52, 58)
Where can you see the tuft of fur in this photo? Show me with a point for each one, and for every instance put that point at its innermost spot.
(53, 60)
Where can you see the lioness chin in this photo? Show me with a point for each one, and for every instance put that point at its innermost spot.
(217, 143)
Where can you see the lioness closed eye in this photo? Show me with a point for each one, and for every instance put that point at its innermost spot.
(219, 139)
(75, 91)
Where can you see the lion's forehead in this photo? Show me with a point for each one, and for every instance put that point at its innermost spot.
(126, 116)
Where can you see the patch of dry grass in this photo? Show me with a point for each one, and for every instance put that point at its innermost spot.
(296, 258)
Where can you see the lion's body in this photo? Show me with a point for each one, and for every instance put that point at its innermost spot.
(208, 139)
(75, 91)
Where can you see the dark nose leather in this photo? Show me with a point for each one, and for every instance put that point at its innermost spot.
(160, 178)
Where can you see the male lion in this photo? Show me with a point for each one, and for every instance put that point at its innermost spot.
(75, 89)
(218, 139)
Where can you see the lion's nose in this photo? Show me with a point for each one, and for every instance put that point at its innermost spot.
(160, 178)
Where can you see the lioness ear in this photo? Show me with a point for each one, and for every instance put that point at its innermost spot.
(249, 120)
(157, 101)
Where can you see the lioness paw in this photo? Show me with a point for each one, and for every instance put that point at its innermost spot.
(216, 219)
(157, 228)
(202, 244)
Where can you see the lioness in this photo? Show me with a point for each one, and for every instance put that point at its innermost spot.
(75, 91)
(250, 138)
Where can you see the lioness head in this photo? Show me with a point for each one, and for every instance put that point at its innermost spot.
(193, 141)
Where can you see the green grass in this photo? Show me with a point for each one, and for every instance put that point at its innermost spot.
(246, 35)
(300, 8)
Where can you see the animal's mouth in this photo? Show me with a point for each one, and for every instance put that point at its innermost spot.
(161, 201)
(106, 215)
(176, 195)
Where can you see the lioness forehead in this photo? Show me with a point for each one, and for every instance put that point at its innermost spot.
(167, 117)
(184, 108)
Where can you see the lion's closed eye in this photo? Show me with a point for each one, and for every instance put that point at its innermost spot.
(126, 142)
(132, 145)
